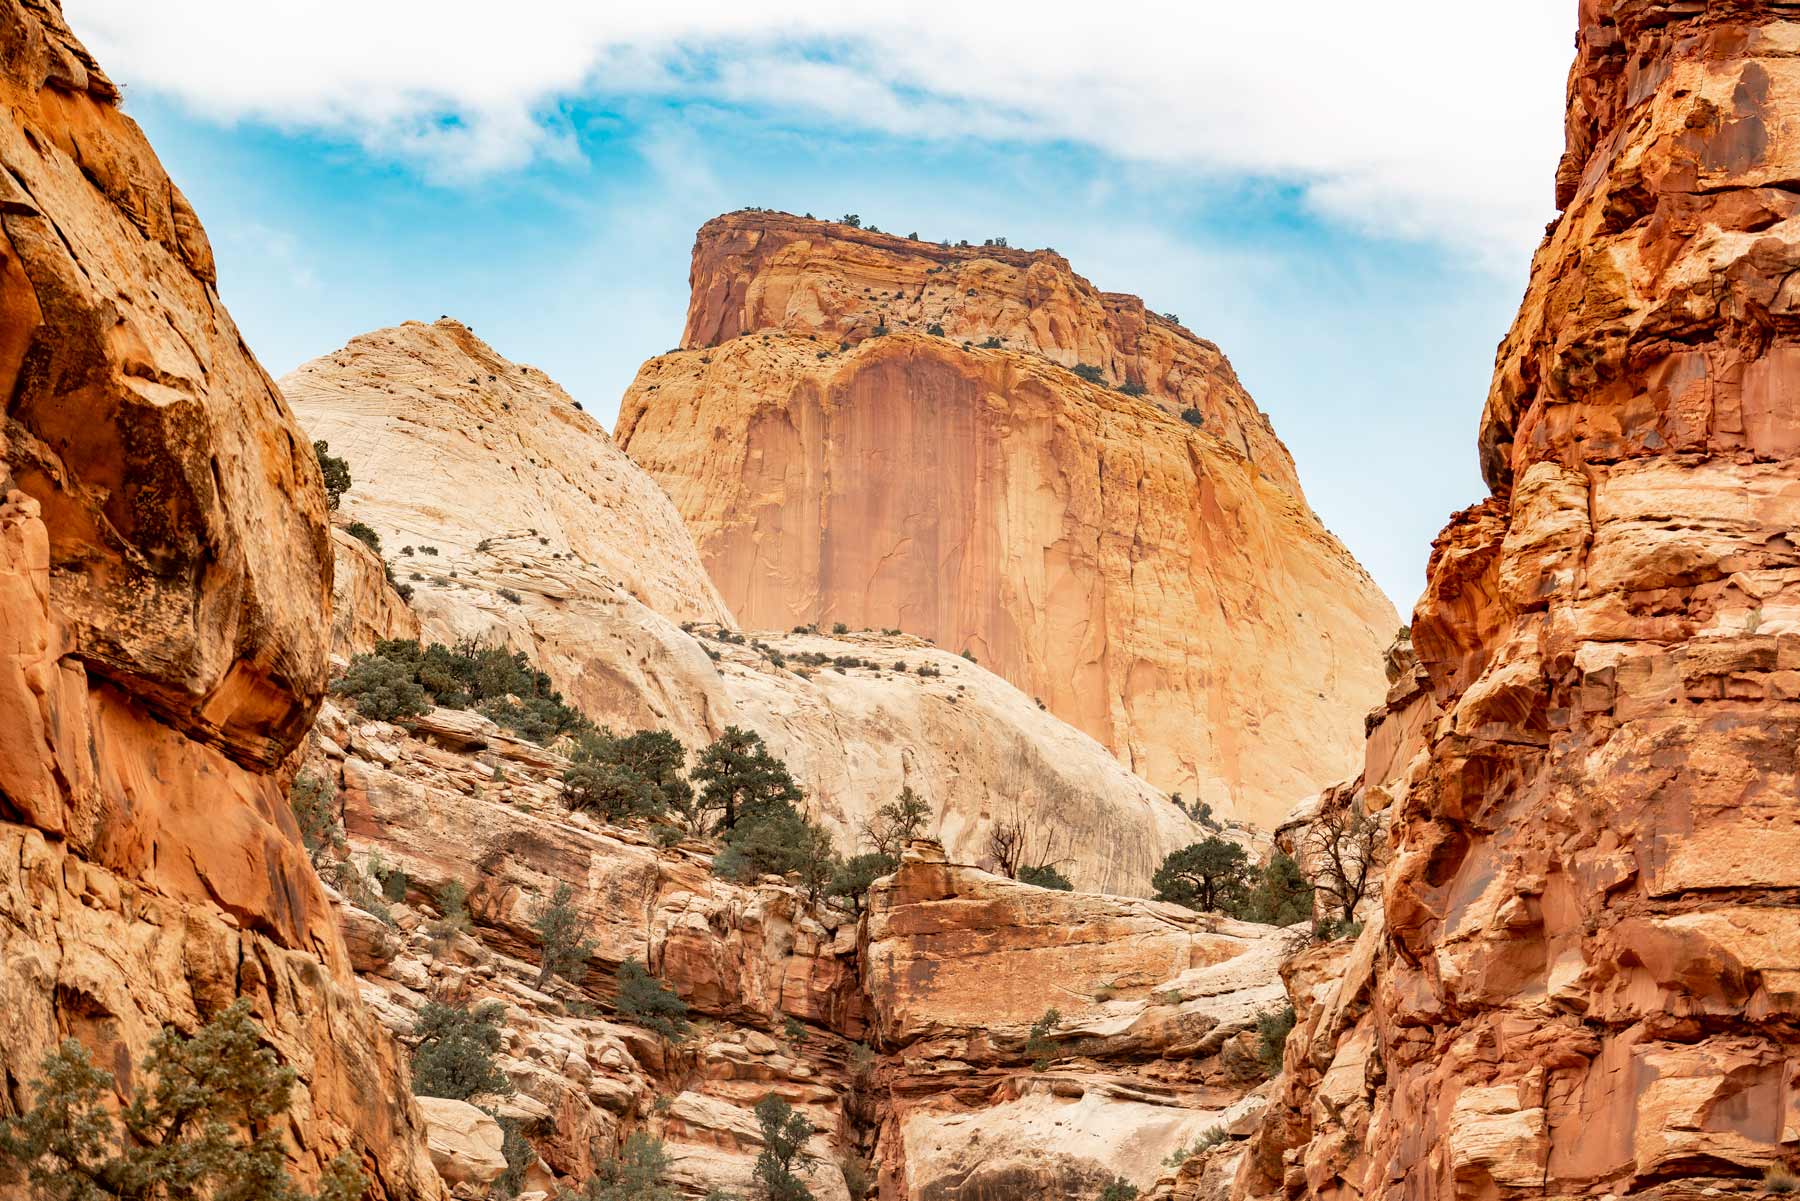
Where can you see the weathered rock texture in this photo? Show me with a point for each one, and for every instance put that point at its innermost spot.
(1160, 586)
(1589, 983)
(1154, 1046)
(901, 1036)
(164, 577)
(522, 496)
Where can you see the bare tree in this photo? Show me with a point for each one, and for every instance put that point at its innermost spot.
(1342, 853)
(1019, 843)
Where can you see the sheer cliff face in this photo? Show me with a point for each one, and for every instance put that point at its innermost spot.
(1595, 982)
(545, 538)
(1161, 586)
(164, 581)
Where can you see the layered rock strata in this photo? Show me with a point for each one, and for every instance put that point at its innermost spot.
(1587, 980)
(902, 1036)
(165, 574)
(888, 434)
(516, 522)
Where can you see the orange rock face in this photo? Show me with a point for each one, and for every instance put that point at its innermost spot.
(1161, 586)
(165, 574)
(1590, 983)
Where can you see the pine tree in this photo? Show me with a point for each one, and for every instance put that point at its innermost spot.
(738, 776)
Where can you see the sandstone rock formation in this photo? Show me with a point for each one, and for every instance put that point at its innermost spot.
(164, 580)
(1586, 982)
(1152, 1049)
(902, 1038)
(1161, 586)
(528, 528)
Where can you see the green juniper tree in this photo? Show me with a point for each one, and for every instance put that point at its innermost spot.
(454, 1057)
(563, 952)
(334, 471)
(784, 1135)
(1208, 876)
(204, 1124)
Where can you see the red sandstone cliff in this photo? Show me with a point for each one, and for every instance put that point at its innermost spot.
(848, 445)
(165, 575)
(1587, 984)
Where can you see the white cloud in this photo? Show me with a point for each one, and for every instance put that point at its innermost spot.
(1431, 119)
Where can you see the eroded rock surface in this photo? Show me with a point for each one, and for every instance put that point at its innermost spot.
(1161, 586)
(527, 528)
(165, 574)
(901, 1036)
(1586, 986)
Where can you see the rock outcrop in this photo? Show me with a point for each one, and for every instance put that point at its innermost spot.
(516, 522)
(1586, 985)
(165, 574)
(889, 434)
(1153, 1046)
(903, 1036)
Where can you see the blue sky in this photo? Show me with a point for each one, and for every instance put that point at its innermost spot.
(1355, 243)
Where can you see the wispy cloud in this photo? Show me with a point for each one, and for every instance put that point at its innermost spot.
(1431, 120)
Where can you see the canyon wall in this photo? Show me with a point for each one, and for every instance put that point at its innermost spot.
(165, 575)
(517, 522)
(903, 1036)
(1587, 983)
(888, 434)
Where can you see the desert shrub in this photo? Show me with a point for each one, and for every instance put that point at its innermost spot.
(1132, 387)
(453, 913)
(501, 685)
(1279, 894)
(561, 949)
(993, 342)
(364, 535)
(382, 689)
(454, 1056)
(643, 999)
(852, 220)
(361, 889)
(1778, 1180)
(638, 775)
(639, 1172)
(204, 1120)
(1209, 876)
(1272, 1028)
(1205, 1141)
(334, 471)
(1038, 1043)
(935, 330)
(775, 840)
(1119, 1190)
(784, 1135)
(1193, 416)
(405, 590)
(858, 1181)
(1045, 877)
(1089, 372)
(393, 883)
(839, 628)
(852, 878)
(314, 802)
(519, 1154)
(511, 597)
